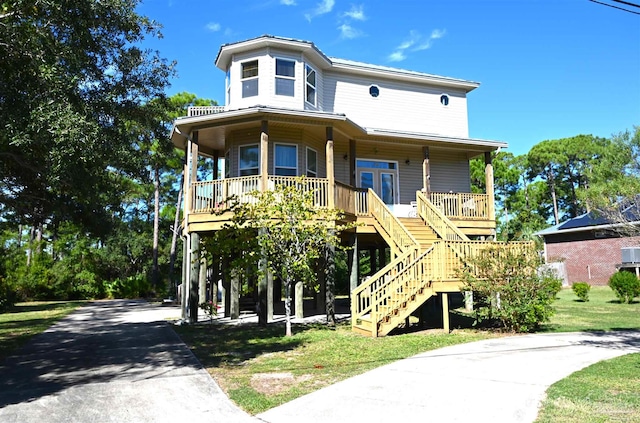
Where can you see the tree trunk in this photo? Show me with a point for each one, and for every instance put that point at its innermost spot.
(174, 239)
(156, 228)
(552, 186)
(330, 269)
(287, 307)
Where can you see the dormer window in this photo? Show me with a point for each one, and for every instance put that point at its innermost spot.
(285, 77)
(250, 79)
(310, 79)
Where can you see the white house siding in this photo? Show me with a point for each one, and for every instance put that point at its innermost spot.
(400, 106)
(278, 135)
(449, 171)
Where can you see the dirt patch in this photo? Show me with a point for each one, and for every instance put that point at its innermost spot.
(274, 383)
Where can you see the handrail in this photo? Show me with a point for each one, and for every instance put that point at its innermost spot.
(438, 221)
(462, 205)
(362, 205)
(203, 110)
(396, 232)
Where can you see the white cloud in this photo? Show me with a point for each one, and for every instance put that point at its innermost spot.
(349, 32)
(213, 26)
(437, 33)
(324, 7)
(288, 2)
(415, 42)
(397, 56)
(356, 13)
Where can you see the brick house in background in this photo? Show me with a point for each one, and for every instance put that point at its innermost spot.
(587, 248)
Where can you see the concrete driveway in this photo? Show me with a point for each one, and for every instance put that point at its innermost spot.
(111, 361)
(119, 361)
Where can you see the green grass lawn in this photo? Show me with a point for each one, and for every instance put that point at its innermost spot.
(25, 320)
(603, 392)
(259, 368)
(601, 312)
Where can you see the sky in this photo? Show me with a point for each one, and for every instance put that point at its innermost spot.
(547, 69)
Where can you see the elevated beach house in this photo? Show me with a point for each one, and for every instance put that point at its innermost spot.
(389, 147)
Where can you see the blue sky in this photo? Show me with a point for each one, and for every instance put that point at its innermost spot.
(548, 68)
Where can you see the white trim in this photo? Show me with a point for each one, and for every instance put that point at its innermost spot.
(315, 87)
(275, 157)
(257, 145)
(285, 77)
(306, 162)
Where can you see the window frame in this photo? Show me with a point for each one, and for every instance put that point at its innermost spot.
(251, 78)
(240, 168)
(275, 159)
(308, 171)
(307, 85)
(285, 77)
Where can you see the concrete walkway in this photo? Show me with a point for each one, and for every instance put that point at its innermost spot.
(111, 361)
(119, 361)
(500, 380)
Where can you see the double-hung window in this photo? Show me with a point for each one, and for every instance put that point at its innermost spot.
(249, 79)
(285, 77)
(312, 163)
(310, 85)
(249, 159)
(286, 160)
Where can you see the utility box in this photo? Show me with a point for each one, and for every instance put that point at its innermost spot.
(630, 254)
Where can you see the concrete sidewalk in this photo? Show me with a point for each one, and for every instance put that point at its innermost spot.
(111, 361)
(499, 380)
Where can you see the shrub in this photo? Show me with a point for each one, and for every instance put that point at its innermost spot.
(131, 287)
(508, 288)
(626, 285)
(581, 289)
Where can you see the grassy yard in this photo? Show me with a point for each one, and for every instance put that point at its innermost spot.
(25, 320)
(601, 312)
(259, 368)
(606, 391)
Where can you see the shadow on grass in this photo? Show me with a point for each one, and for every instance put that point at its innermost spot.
(218, 345)
(44, 306)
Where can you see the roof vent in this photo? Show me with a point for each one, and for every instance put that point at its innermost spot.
(630, 254)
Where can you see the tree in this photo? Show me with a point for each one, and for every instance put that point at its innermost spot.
(291, 232)
(72, 80)
(508, 287)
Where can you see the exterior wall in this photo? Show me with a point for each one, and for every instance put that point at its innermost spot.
(266, 81)
(582, 254)
(400, 106)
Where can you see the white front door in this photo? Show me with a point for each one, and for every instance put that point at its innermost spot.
(381, 176)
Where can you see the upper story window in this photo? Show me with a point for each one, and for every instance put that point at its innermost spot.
(250, 79)
(285, 77)
(444, 100)
(286, 160)
(312, 163)
(310, 84)
(249, 159)
(374, 91)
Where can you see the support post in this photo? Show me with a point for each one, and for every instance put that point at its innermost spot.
(269, 295)
(330, 169)
(372, 260)
(352, 259)
(216, 166)
(321, 298)
(488, 176)
(445, 311)
(382, 258)
(426, 172)
(234, 296)
(194, 276)
(202, 281)
(264, 156)
(262, 291)
(184, 291)
(226, 285)
(352, 163)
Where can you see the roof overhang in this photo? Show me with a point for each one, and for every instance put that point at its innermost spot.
(472, 143)
(613, 226)
(226, 52)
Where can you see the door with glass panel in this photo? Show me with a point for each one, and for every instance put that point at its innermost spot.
(381, 177)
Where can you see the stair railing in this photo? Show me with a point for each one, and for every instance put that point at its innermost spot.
(438, 221)
(394, 232)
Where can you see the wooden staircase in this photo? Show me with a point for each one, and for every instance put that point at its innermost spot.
(428, 249)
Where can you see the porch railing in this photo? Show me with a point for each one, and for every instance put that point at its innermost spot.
(394, 232)
(438, 220)
(203, 110)
(462, 205)
(211, 196)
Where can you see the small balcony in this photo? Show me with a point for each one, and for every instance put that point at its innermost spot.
(203, 110)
